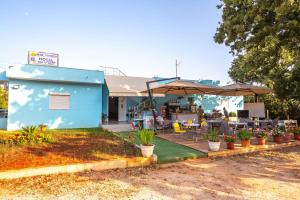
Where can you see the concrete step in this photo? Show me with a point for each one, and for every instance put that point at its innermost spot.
(117, 127)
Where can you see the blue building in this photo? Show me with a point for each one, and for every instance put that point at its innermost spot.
(62, 97)
(59, 97)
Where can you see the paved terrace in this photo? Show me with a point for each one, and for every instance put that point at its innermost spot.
(202, 145)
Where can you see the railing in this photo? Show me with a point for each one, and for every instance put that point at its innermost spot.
(112, 71)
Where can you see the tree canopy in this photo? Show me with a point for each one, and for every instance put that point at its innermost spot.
(264, 38)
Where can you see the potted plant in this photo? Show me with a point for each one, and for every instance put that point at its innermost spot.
(230, 140)
(262, 136)
(277, 133)
(213, 140)
(147, 139)
(287, 136)
(297, 134)
(245, 137)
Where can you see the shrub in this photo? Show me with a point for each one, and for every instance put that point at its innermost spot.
(232, 114)
(297, 132)
(213, 136)
(244, 135)
(262, 134)
(146, 136)
(28, 135)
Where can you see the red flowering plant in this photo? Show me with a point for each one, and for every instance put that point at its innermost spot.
(230, 138)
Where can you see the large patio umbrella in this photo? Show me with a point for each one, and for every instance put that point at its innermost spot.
(182, 87)
(241, 89)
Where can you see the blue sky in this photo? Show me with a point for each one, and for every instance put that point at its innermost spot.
(141, 37)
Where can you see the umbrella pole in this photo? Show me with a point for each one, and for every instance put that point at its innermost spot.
(151, 97)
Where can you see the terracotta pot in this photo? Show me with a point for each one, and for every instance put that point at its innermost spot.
(230, 145)
(261, 141)
(297, 136)
(287, 138)
(277, 138)
(245, 143)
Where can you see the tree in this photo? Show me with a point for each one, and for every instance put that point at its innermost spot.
(3, 98)
(264, 38)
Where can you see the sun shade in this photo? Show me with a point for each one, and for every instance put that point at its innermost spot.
(182, 87)
(240, 89)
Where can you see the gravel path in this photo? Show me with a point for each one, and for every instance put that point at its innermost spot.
(267, 175)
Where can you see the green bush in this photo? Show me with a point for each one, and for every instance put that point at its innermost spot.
(213, 136)
(232, 114)
(297, 132)
(146, 137)
(244, 135)
(28, 135)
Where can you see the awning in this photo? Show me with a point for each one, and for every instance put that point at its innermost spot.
(241, 89)
(128, 86)
(182, 87)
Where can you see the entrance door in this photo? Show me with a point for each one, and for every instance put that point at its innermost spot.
(122, 108)
(113, 108)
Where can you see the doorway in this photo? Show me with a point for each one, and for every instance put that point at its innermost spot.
(113, 109)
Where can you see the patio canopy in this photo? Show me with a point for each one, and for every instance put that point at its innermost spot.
(182, 87)
(241, 89)
(128, 86)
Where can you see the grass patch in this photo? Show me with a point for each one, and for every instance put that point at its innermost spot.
(165, 150)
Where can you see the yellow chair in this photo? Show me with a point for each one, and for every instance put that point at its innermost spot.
(177, 128)
(189, 121)
(203, 122)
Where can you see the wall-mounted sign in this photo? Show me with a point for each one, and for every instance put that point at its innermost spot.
(42, 58)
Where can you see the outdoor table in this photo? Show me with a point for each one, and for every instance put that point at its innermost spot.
(192, 126)
(237, 124)
(214, 122)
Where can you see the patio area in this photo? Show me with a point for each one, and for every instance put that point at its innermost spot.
(201, 145)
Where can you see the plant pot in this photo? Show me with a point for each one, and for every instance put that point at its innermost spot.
(245, 143)
(261, 141)
(147, 151)
(214, 146)
(287, 138)
(297, 136)
(230, 145)
(277, 139)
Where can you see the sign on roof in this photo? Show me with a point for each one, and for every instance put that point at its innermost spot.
(42, 58)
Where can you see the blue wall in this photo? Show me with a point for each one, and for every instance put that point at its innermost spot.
(29, 104)
(57, 74)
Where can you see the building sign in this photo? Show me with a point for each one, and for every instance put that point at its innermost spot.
(42, 58)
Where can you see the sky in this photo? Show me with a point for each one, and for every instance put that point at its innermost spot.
(140, 37)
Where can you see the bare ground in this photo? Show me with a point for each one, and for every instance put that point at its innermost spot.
(267, 175)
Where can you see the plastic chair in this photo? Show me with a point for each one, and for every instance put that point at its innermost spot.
(177, 128)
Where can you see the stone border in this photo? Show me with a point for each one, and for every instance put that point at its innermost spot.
(252, 149)
(80, 167)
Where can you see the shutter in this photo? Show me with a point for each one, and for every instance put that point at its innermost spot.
(59, 101)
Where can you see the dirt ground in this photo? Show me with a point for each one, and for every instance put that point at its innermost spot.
(267, 175)
(70, 146)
